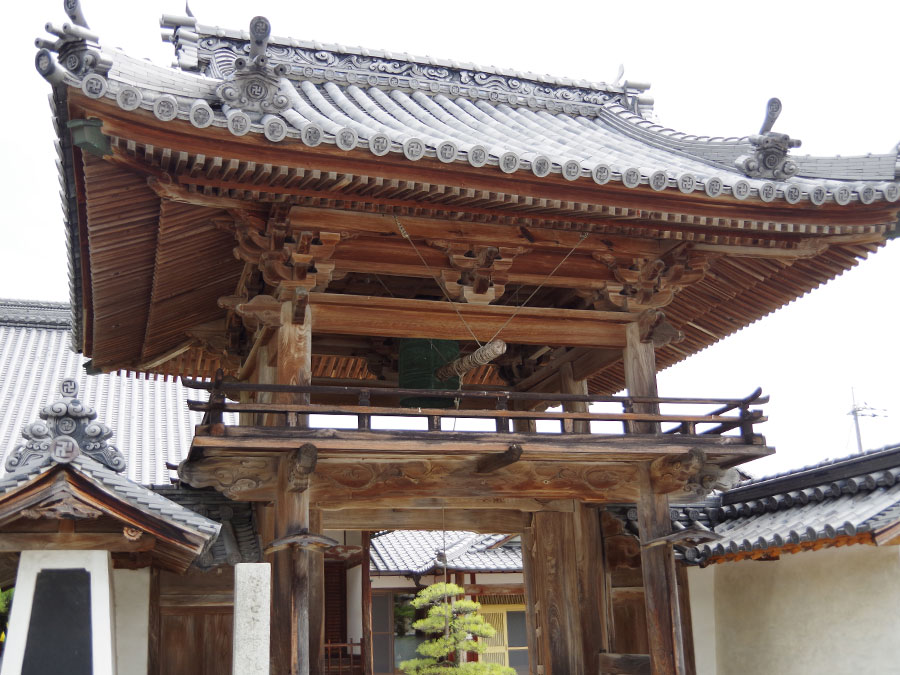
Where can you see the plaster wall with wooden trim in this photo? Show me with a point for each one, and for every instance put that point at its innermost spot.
(835, 611)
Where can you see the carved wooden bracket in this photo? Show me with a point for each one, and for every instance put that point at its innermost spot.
(302, 462)
(303, 540)
(491, 463)
(480, 272)
(650, 283)
(669, 474)
(654, 328)
(261, 311)
(239, 479)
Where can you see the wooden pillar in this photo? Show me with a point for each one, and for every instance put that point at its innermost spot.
(298, 600)
(591, 580)
(535, 655)
(657, 562)
(552, 583)
(316, 562)
(569, 385)
(367, 657)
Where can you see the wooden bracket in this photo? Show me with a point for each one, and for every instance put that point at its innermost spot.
(302, 464)
(491, 463)
(670, 473)
(654, 328)
(302, 540)
(692, 533)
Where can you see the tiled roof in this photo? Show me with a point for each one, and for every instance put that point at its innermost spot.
(238, 540)
(420, 552)
(458, 113)
(149, 418)
(138, 496)
(836, 499)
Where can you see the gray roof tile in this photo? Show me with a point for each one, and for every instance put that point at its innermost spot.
(421, 551)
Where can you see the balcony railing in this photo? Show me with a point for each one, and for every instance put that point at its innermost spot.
(638, 413)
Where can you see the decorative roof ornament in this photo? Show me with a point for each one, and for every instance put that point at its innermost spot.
(770, 158)
(78, 49)
(254, 89)
(68, 429)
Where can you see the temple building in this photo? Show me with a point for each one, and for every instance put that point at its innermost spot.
(395, 287)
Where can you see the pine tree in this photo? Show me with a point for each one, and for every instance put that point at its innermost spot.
(455, 623)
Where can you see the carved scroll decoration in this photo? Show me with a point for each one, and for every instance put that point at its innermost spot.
(64, 505)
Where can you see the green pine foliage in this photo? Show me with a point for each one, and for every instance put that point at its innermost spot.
(455, 624)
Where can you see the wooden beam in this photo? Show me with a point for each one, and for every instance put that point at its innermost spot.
(78, 541)
(398, 317)
(501, 521)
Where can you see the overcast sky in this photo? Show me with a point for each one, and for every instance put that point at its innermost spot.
(712, 66)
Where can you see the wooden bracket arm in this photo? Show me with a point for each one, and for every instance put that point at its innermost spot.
(491, 463)
(302, 462)
(670, 473)
(303, 540)
(692, 533)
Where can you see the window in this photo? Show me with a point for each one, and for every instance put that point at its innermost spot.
(509, 647)
(393, 637)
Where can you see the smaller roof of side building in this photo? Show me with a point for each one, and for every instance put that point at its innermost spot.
(420, 552)
(854, 500)
(65, 469)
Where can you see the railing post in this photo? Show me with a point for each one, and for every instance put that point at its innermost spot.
(363, 421)
(502, 423)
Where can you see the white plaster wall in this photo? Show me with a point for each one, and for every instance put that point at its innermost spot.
(132, 600)
(702, 595)
(354, 603)
(833, 611)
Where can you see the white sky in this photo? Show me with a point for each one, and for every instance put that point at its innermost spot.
(712, 66)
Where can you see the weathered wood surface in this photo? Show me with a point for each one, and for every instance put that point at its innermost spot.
(554, 581)
(333, 443)
(116, 542)
(625, 664)
(590, 576)
(367, 655)
(660, 582)
(366, 315)
(640, 377)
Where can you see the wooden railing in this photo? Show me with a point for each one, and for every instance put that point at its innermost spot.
(500, 406)
(343, 658)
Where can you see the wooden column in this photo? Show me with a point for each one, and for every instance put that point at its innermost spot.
(551, 578)
(591, 580)
(298, 600)
(316, 562)
(657, 562)
(535, 655)
(367, 657)
(569, 385)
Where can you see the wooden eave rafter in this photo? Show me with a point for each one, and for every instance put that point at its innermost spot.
(170, 546)
(768, 254)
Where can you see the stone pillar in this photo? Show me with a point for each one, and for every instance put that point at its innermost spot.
(252, 588)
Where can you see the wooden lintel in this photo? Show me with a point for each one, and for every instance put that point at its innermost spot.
(115, 542)
(491, 463)
(498, 521)
(398, 317)
(523, 504)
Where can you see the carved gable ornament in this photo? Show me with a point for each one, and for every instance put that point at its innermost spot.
(255, 88)
(66, 430)
(770, 158)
